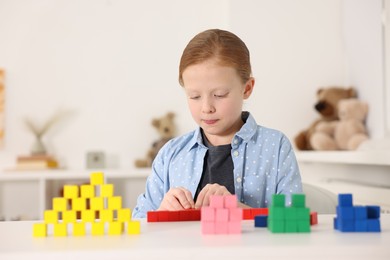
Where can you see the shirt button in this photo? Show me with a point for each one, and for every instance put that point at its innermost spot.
(235, 141)
(235, 153)
(238, 179)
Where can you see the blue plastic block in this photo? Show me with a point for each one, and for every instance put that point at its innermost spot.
(345, 225)
(360, 212)
(261, 221)
(335, 226)
(373, 212)
(345, 200)
(361, 225)
(373, 225)
(345, 213)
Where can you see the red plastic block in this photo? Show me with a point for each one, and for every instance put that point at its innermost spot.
(313, 218)
(249, 214)
(179, 215)
(152, 216)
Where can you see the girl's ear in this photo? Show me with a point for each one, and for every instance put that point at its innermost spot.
(249, 85)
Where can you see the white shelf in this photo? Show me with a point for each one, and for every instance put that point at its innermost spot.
(379, 157)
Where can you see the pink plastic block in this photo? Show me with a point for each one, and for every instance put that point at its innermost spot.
(216, 201)
(207, 214)
(230, 201)
(208, 227)
(234, 227)
(221, 227)
(235, 214)
(221, 215)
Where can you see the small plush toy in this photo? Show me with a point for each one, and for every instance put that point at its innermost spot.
(167, 130)
(345, 134)
(326, 106)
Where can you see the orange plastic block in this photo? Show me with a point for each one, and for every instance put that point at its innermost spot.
(39, 230)
(134, 227)
(60, 230)
(50, 216)
(115, 228)
(107, 190)
(87, 191)
(79, 204)
(115, 202)
(97, 178)
(79, 229)
(60, 204)
(71, 191)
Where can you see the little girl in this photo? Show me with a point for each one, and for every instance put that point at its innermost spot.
(228, 153)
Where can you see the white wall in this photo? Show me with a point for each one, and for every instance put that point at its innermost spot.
(114, 65)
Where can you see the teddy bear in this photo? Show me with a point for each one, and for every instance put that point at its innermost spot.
(326, 106)
(348, 132)
(167, 129)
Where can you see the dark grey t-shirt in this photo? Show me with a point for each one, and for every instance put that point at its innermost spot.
(217, 168)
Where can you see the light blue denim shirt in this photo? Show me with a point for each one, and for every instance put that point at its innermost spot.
(264, 164)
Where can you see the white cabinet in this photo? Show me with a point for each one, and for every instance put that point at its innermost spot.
(26, 194)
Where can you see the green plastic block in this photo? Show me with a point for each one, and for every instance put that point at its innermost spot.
(304, 226)
(303, 213)
(290, 213)
(278, 200)
(276, 213)
(291, 226)
(276, 226)
(298, 200)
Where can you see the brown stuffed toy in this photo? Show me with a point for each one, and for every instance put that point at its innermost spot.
(348, 132)
(167, 130)
(326, 106)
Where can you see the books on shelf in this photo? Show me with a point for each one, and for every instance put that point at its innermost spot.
(36, 162)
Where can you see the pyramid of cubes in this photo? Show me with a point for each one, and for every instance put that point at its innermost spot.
(222, 216)
(293, 219)
(89, 208)
(351, 218)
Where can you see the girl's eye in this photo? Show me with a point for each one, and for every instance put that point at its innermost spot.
(220, 96)
(195, 97)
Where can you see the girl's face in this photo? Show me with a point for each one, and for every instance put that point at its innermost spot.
(215, 97)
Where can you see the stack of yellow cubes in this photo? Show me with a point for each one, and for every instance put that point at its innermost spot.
(103, 215)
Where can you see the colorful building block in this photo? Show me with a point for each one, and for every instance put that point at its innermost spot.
(60, 204)
(88, 215)
(87, 191)
(79, 229)
(50, 216)
(106, 190)
(115, 228)
(133, 227)
(115, 202)
(97, 228)
(350, 218)
(261, 221)
(97, 178)
(106, 215)
(69, 216)
(222, 216)
(97, 203)
(71, 191)
(293, 219)
(39, 230)
(124, 215)
(79, 204)
(60, 230)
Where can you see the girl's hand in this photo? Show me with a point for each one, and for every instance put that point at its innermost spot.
(208, 190)
(177, 199)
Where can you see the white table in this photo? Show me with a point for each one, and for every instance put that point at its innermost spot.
(184, 240)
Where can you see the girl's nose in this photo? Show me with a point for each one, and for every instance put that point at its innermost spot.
(207, 106)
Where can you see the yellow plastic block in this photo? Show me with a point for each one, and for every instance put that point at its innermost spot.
(97, 178)
(115, 202)
(107, 190)
(60, 204)
(97, 203)
(69, 216)
(60, 230)
(87, 191)
(134, 227)
(115, 228)
(79, 204)
(88, 215)
(79, 229)
(124, 215)
(50, 216)
(71, 191)
(39, 230)
(97, 228)
(106, 215)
